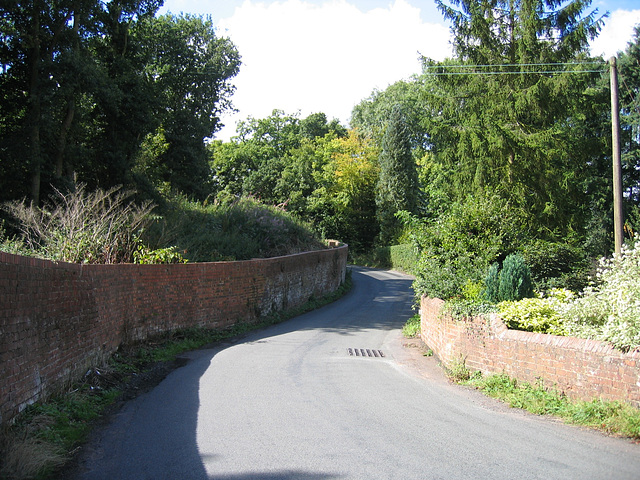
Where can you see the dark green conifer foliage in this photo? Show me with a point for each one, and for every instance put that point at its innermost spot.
(398, 183)
(492, 283)
(515, 279)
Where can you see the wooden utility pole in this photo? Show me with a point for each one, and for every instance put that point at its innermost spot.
(618, 222)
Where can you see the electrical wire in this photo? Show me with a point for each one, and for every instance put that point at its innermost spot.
(426, 69)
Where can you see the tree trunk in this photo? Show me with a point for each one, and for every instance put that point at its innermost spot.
(35, 107)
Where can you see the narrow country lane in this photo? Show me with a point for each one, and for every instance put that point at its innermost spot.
(290, 402)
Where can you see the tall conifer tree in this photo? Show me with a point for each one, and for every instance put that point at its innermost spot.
(398, 182)
(517, 119)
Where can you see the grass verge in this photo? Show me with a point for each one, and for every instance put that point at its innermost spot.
(611, 417)
(411, 329)
(47, 434)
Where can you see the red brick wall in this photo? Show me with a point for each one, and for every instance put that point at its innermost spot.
(58, 319)
(582, 369)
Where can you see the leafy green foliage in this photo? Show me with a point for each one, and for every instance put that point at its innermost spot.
(629, 78)
(459, 246)
(397, 187)
(403, 257)
(285, 161)
(457, 370)
(411, 328)
(461, 308)
(342, 204)
(144, 255)
(492, 284)
(542, 314)
(84, 83)
(556, 265)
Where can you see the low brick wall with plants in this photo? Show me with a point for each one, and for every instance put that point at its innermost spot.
(581, 369)
(59, 319)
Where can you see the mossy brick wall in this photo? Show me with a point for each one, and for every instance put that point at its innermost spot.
(582, 369)
(59, 319)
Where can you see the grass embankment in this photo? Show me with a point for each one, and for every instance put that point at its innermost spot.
(47, 434)
(611, 417)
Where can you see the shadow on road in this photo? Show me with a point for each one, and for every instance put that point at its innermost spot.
(155, 435)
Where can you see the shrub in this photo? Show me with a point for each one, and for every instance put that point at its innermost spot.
(83, 227)
(515, 279)
(610, 311)
(460, 244)
(492, 283)
(513, 282)
(541, 315)
(144, 255)
(404, 257)
(557, 265)
(411, 328)
(11, 244)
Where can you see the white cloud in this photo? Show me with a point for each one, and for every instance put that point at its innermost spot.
(303, 56)
(616, 33)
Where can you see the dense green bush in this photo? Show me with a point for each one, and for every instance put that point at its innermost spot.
(145, 255)
(541, 314)
(492, 284)
(459, 246)
(515, 279)
(557, 265)
(403, 257)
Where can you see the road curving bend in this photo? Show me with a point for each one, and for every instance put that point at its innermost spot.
(294, 401)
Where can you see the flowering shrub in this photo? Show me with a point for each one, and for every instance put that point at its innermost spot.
(611, 310)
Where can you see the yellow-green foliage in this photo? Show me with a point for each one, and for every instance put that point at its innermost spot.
(541, 314)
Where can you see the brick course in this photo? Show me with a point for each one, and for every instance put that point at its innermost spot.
(59, 319)
(582, 369)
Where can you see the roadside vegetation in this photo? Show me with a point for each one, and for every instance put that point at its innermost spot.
(47, 434)
(411, 328)
(610, 417)
(110, 227)
(486, 176)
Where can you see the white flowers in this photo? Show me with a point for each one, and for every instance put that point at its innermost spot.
(610, 311)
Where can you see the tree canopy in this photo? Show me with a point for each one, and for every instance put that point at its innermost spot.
(84, 82)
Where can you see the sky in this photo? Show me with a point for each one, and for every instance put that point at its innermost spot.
(308, 56)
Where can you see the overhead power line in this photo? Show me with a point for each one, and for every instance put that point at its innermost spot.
(496, 69)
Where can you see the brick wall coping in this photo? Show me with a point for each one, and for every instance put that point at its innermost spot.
(581, 368)
(58, 319)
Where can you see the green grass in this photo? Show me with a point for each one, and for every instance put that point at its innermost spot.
(612, 417)
(47, 433)
(411, 329)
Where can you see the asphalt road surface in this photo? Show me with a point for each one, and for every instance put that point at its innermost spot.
(290, 402)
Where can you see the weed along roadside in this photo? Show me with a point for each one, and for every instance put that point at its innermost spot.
(117, 365)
